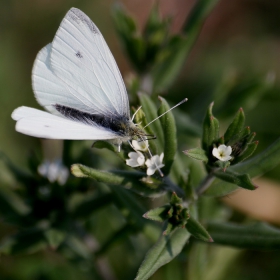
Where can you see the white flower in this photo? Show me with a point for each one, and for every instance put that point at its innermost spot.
(222, 152)
(154, 164)
(136, 159)
(140, 145)
(54, 171)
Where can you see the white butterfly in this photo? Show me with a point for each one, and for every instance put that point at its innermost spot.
(77, 80)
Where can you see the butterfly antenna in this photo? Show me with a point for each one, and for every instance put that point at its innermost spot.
(183, 101)
(133, 116)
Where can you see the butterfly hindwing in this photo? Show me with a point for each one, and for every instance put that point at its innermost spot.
(41, 124)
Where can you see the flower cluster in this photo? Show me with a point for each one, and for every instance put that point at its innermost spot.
(137, 159)
(54, 171)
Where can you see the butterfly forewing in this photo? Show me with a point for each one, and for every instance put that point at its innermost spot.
(81, 59)
(49, 89)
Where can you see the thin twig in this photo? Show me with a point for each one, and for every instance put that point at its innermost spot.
(205, 184)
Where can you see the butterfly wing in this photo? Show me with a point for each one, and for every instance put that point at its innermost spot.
(41, 124)
(48, 88)
(81, 60)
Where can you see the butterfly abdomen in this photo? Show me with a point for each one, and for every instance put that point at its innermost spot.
(117, 124)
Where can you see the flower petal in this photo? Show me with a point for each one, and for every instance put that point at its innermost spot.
(140, 145)
(148, 162)
(225, 158)
(151, 171)
(228, 150)
(216, 153)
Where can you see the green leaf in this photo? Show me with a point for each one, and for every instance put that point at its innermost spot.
(141, 120)
(89, 206)
(259, 236)
(159, 214)
(155, 34)
(197, 16)
(100, 144)
(54, 237)
(262, 162)
(185, 182)
(210, 131)
(151, 113)
(125, 24)
(78, 247)
(26, 241)
(245, 92)
(132, 211)
(121, 234)
(186, 124)
(235, 127)
(255, 166)
(170, 227)
(197, 230)
(170, 138)
(134, 45)
(155, 24)
(171, 60)
(223, 164)
(247, 153)
(241, 180)
(166, 249)
(19, 174)
(197, 153)
(175, 199)
(175, 53)
(12, 207)
(135, 181)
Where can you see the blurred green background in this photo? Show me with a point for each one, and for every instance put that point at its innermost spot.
(239, 47)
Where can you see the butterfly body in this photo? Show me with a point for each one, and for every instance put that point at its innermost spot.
(121, 125)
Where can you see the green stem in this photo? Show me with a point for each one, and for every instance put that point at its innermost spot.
(205, 184)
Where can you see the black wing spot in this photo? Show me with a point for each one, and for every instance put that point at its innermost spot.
(79, 55)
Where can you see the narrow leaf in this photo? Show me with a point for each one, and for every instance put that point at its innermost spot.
(210, 130)
(196, 153)
(54, 237)
(159, 214)
(151, 113)
(167, 69)
(235, 127)
(131, 209)
(100, 144)
(170, 138)
(258, 236)
(166, 249)
(118, 236)
(26, 241)
(247, 153)
(134, 181)
(169, 228)
(175, 199)
(241, 180)
(173, 56)
(90, 205)
(197, 230)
